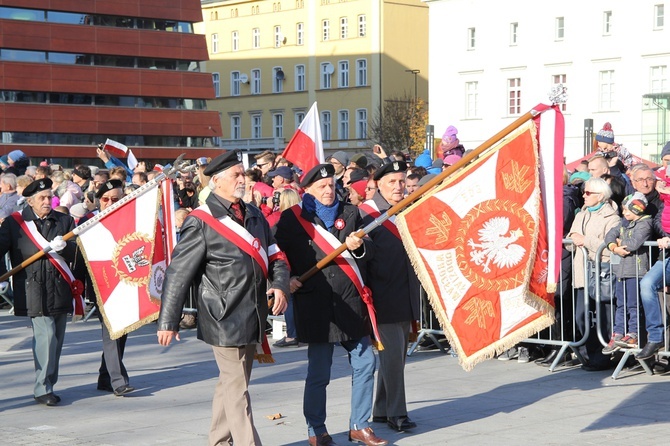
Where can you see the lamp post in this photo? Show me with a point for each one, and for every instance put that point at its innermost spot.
(414, 72)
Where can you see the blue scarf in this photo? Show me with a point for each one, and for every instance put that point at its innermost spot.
(327, 214)
(595, 208)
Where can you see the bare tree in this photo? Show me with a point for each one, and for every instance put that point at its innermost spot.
(400, 125)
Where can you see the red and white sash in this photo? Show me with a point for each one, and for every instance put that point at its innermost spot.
(56, 260)
(328, 243)
(370, 208)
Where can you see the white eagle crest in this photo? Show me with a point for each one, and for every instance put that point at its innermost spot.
(495, 246)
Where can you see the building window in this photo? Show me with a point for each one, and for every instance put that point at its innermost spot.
(276, 7)
(215, 43)
(325, 30)
(235, 83)
(256, 38)
(235, 127)
(299, 117)
(659, 16)
(278, 36)
(325, 125)
(559, 32)
(343, 128)
(471, 99)
(235, 40)
(217, 85)
(256, 81)
(361, 72)
(299, 4)
(343, 78)
(326, 73)
(300, 33)
(471, 38)
(278, 80)
(299, 78)
(255, 10)
(361, 123)
(256, 126)
(362, 25)
(514, 96)
(606, 90)
(658, 78)
(513, 33)
(234, 12)
(607, 23)
(278, 125)
(344, 27)
(561, 79)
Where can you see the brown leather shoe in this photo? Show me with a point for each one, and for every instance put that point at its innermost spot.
(322, 440)
(366, 436)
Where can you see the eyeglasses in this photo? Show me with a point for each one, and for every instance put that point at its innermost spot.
(107, 199)
(645, 180)
(588, 193)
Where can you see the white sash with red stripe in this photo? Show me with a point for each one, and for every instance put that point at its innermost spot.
(370, 208)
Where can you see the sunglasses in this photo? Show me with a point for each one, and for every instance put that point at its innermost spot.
(107, 199)
(588, 193)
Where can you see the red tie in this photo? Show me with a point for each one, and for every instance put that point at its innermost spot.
(237, 212)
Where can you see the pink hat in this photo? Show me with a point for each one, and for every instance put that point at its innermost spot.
(450, 133)
(450, 160)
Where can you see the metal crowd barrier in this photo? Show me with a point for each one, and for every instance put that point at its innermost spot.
(427, 328)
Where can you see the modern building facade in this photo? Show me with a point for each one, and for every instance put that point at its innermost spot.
(271, 60)
(74, 73)
(613, 56)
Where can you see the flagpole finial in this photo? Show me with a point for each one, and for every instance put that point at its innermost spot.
(179, 164)
(558, 94)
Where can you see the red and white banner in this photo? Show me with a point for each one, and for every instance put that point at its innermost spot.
(483, 243)
(121, 151)
(168, 219)
(125, 263)
(305, 149)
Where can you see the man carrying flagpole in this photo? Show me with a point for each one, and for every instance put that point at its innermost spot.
(227, 247)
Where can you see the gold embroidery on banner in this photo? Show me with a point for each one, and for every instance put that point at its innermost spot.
(131, 263)
(479, 309)
(440, 228)
(515, 181)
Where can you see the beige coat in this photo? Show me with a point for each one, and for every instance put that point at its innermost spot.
(594, 226)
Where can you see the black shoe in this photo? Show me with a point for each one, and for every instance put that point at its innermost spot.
(57, 398)
(122, 390)
(105, 387)
(378, 419)
(400, 424)
(649, 350)
(597, 367)
(49, 399)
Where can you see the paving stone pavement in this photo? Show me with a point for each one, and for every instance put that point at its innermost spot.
(498, 403)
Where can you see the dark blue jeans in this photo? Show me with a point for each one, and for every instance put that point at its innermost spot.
(625, 316)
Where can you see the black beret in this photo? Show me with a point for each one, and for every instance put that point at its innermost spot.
(84, 172)
(109, 185)
(394, 167)
(222, 162)
(357, 175)
(316, 173)
(37, 186)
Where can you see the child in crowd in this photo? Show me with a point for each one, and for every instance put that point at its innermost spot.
(627, 243)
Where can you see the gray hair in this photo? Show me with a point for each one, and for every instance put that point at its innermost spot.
(599, 186)
(10, 180)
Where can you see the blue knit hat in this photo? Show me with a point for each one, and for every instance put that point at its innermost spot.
(606, 134)
(16, 155)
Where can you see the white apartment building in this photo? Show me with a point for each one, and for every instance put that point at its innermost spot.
(491, 61)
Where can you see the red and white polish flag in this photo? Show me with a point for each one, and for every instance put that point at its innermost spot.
(305, 149)
(121, 151)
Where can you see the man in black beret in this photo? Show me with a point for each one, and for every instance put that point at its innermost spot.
(47, 297)
(328, 307)
(227, 247)
(395, 288)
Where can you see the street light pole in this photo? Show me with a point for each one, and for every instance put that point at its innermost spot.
(414, 72)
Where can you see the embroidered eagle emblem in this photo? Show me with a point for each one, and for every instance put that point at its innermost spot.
(137, 259)
(495, 246)
(323, 172)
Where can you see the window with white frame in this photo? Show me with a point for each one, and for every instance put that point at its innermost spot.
(278, 125)
(343, 74)
(217, 85)
(606, 90)
(277, 80)
(235, 127)
(256, 81)
(471, 99)
(513, 33)
(326, 75)
(343, 127)
(325, 126)
(235, 40)
(256, 38)
(607, 23)
(299, 117)
(561, 79)
(362, 26)
(325, 30)
(235, 83)
(361, 123)
(559, 31)
(299, 4)
(278, 36)
(659, 16)
(256, 126)
(300, 33)
(658, 79)
(471, 38)
(514, 96)
(215, 43)
(299, 78)
(361, 72)
(344, 27)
